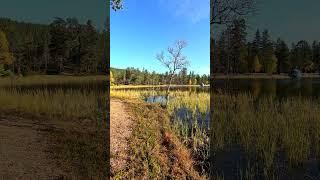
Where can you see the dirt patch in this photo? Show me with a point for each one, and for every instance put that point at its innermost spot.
(120, 131)
(23, 150)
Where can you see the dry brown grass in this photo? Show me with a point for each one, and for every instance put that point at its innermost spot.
(155, 150)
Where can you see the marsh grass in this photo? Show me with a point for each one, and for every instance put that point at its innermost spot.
(189, 118)
(269, 129)
(155, 151)
(63, 104)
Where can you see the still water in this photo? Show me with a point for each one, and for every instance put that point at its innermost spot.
(95, 86)
(279, 88)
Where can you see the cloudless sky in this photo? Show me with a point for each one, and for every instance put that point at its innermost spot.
(43, 11)
(292, 20)
(144, 28)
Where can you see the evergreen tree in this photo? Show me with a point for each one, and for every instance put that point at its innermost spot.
(256, 44)
(267, 52)
(238, 43)
(282, 54)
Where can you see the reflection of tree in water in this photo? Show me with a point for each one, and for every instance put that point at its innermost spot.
(255, 89)
(307, 88)
(270, 87)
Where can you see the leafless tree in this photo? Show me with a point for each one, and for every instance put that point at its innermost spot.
(116, 4)
(174, 62)
(225, 11)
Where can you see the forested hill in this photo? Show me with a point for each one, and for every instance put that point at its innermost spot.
(64, 45)
(136, 76)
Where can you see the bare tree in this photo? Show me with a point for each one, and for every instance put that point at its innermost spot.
(174, 62)
(225, 11)
(116, 4)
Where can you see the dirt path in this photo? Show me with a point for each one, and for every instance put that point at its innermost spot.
(120, 131)
(23, 151)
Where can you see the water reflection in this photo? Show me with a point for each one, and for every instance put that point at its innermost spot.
(96, 86)
(277, 88)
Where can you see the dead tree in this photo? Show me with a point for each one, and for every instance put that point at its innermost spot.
(116, 4)
(174, 62)
(225, 11)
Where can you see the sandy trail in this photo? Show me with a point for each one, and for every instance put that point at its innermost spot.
(120, 131)
(23, 151)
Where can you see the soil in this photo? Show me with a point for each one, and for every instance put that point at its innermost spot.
(23, 150)
(120, 131)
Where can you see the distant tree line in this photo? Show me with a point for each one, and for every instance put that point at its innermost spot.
(234, 54)
(63, 46)
(134, 76)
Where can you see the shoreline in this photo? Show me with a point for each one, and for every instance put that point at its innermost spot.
(150, 86)
(262, 76)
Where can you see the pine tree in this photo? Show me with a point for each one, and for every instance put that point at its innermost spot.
(266, 52)
(256, 44)
(282, 54)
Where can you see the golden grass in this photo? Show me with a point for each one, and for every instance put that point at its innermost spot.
(65, 104)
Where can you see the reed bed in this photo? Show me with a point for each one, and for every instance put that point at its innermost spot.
(66, 104)
(270, 131)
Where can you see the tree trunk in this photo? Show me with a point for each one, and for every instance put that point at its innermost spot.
(168, 90)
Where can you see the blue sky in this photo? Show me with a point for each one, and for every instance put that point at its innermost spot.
(144, 28)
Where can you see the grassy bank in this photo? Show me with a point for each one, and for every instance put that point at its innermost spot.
(75, 119)
(272, 135)
(149, 86)
(185, 111)
(155, 151)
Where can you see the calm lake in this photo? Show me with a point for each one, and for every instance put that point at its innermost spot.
(279, 88)
(96, 86)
